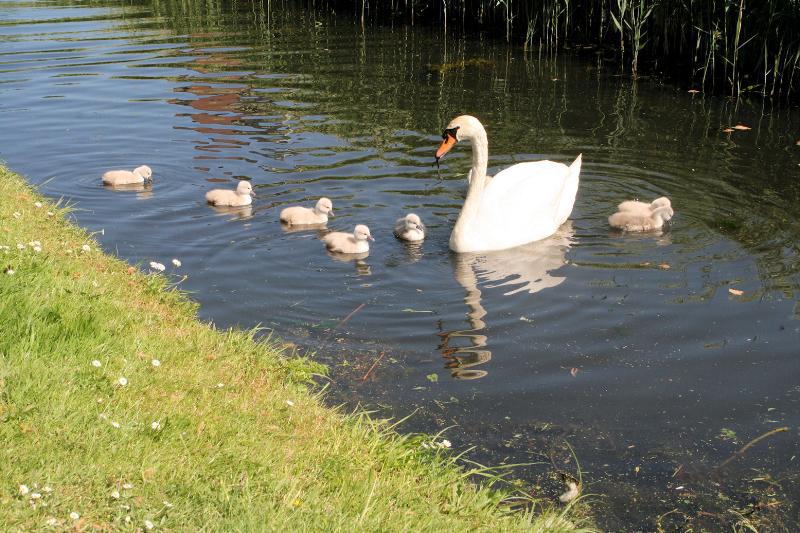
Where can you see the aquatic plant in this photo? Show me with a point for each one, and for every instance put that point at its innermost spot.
(737, 46)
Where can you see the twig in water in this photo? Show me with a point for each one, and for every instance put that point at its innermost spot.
(378, 360)
(342, 321)
(751, 443)
(354, 311)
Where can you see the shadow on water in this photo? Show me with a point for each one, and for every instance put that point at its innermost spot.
(631, 350)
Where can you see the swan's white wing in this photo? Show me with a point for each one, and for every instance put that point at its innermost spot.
(527, 202)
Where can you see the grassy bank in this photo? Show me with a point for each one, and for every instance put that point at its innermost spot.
(119, 410)
(726, 46)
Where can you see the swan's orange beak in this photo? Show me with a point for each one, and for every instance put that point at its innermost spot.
(448, 142)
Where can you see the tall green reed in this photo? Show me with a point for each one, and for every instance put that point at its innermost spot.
(733, 46)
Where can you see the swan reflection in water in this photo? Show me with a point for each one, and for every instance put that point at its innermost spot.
(234, 213)
(362, 267)
(519, 271)
(143, 190)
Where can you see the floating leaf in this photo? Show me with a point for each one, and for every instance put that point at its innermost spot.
(735, 292)
(433, 378)
(742, 127)
(693, 91)
(409, 310)
(664, 266)
(573, 371)
(727, 130)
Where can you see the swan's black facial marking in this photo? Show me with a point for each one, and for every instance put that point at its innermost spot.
(451, 132)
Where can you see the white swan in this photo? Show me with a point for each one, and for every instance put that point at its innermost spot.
(349, 243)
(224, 197)
(305, 216)
(523, 203)
(409, 228)
(636, 221)
(643, 207)
(140, 174)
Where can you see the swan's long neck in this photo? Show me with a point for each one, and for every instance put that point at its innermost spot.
(480, 158)
(463, 231)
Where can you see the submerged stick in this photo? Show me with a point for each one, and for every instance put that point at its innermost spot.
(750, 444)
(354, 311)
(342, 321)
(378, 360)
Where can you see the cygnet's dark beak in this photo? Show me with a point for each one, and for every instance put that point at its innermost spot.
(330, 213)
(370, 238)
(253, 194)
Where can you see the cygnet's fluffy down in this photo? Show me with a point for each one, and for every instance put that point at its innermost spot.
(643, 207)
(635, 221)
(305, 216)
(349, 243)
(409, 228)
(126, 177)
(225, 197)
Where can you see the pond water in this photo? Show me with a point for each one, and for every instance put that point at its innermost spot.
(630, 350)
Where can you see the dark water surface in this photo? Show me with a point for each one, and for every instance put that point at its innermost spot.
(629, 349)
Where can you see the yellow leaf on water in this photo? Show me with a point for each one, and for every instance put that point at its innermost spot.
(664, 266)
(727, 130)
(735, 292)
(742, 127)
(693, 91)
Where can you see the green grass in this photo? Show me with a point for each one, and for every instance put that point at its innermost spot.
(225, 434)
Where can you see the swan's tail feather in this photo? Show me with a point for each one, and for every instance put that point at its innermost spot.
(567, 200)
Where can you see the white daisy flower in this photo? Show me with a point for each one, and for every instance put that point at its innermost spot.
(176, 262)
(20, 246)
(155, 362)
(52, 522)
(37, 248)
(115, 494)
(445, 444)
(35, 495)
(122, 381)
(157, 266)
(86, 248)
(115, 424)
(156, 425)
(48, 489)
(220, 385)
(17, 214)
(10, 271)
(96, 363)
(127, 486)
(74, 515)
(290, 403)
(50, 213)
(148, 524)
(37, 204)
(23, 490)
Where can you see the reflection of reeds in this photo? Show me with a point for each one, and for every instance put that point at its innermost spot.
(733, 45)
